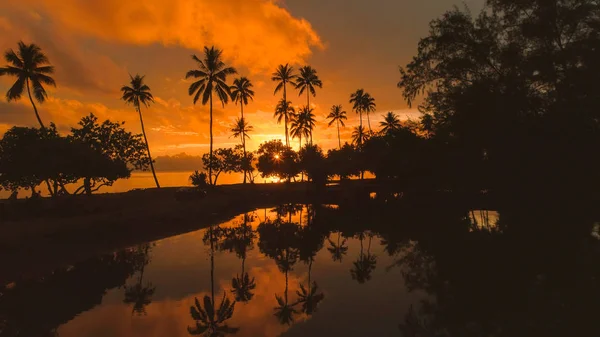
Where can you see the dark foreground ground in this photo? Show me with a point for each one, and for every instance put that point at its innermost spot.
(40, 235)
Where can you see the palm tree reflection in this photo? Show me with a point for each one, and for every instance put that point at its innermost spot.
(366, 263)
(139, 294)
(337, 250)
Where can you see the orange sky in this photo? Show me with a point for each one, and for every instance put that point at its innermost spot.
(95, 44)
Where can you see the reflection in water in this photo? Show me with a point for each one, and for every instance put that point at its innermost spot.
(445, 273)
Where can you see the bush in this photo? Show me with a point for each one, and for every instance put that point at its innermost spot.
(199, 179)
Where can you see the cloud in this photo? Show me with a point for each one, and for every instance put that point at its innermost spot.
(253, 33)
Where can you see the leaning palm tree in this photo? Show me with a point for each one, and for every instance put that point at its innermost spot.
(359, 136)
(390, 123)
(368, 106)
(30, 66)
(307, 81)
(137, 94)
(241, 92)
(284, 111)
(338, 116)
(241, 129)
(357, 99)
(212, 76)
(283, 75)
(308, 120)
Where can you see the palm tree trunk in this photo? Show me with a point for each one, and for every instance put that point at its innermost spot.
(212, 267)
(338, 128)
(34, 108)
(369, 122)
(148, 147)
(210, 158)
(287, 138)
(243, 140)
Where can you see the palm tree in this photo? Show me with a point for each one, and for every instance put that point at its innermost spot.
(241, 129)
(308, 120)
(283, 75)
(368, 106)
(284, 111)
(338, 116)
(243, 240)
(359, 136)
(138, 294)
(337, 250)
(307, 81)
(309, 298)
(28, 64)
(138, 93)
(241, 92)
(285, 311)
(356, 99)
(390, 123)
(212, 74)
(297, 128)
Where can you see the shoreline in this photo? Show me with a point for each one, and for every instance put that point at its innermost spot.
(52, 233)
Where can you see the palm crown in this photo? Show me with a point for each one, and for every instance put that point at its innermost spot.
(29, 65)
(390, 123)
(138, 93)
(241, 92)
(337, 115)
(212, 74)
(283, 75)
(241, 129)
(307, 81)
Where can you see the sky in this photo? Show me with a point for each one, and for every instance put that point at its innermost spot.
(95, 45)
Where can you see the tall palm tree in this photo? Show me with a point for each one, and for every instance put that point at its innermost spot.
(241, 92)
(297, 129)
(283, 75)
(307, 81)
(368, 106)
(29, 65)
(359, 136)
(212, 76)
(357, 99)
(390, 123)
(241, 129)
(137, 94)
(284, 111)
(337, 115)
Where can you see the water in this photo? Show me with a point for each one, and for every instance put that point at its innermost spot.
(374, 270)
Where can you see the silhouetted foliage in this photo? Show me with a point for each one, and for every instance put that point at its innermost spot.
(199, 179)
(313, 163)
(225, 160)
(277, 160)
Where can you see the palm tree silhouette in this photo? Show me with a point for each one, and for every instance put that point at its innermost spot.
(285, 311)
(337, 250)
(283, 75)
(284, 111)
(210, 321)
(337, 115)
(307, 81)
(368, 106)
(138, 294)
(308, 121)
(390, 123)
(356, 99)
(359, 136)
(212, 74)
(29, 65)
(241, 92)
(297, 128)
(139, 93)
(241, 129)
(366, 263)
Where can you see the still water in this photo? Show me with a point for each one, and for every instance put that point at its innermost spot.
(325, 270)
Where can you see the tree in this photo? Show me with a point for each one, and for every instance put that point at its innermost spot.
(337, 116)
(368, 106)
(390, 123)
(241, 239)
(138, 93)
(284, 75)
(139, 294)
(241, 129)
(241, 92)
(337, 250)
(277, 160)
(366, 263)
(362, 102)
(114, 142)
(286, 112)
(29, 65)
(308, 121)
(359, 136)
(312, 162)
(223, 160)
(307, 81)
(344, 162)
(212, 75)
